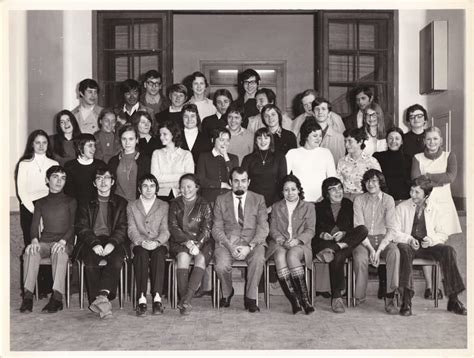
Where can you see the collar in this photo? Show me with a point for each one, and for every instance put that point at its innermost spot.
(244, 197)
(133, 110)
(137, 154)
(191, 131)
(172, 110)
(433, 156)
(215, 153)
(278, 131)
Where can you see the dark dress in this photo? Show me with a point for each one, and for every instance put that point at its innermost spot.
(80, 180)
(147, 148)
(285, 141)
(69, 149)
(265, 179)
(201, 145)
(396, 167)
(413, 143)
(212, 122)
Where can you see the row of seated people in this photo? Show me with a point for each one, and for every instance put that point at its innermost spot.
(268, 154)
(236, 227)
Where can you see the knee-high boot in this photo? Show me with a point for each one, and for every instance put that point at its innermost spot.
(297, 275)
(286, 285)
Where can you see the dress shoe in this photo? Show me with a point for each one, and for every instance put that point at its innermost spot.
(337, 305)
(430, 296)
(26, 305)
(94, 306)
(185, 308)
(157, 308)
(390, 306)
(141, 309)
(405, 310)
(251, 305)
(225, 301)
(457, 307)
(53, 306)
(325, 255)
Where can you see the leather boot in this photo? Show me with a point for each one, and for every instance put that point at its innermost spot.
(301, 290)
(287, 288)
(405, 310)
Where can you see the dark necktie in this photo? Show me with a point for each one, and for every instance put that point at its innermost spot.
(240, 212)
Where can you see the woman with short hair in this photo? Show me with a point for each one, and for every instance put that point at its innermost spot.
(147, 142)
(194, 139)
(273, 119)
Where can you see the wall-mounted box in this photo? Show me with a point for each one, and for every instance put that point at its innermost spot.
(434, 57)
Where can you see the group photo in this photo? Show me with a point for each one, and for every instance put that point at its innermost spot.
(242, 180)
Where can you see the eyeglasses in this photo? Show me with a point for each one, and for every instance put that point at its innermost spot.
(153, 84)
(333, 189)
(416, 116)
(250, 83)
(103, 178)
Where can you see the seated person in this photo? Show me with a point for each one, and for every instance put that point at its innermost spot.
(130, 92)
(152, 96)
(57, 212)
(178, 94)
(291, 230)
(148, 231)
(240, 230)
(190, 222)
(336, 236)
(420, 233)
(376, 210)
(101, 229)
(222, 99)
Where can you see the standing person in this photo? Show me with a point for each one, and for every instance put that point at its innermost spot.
(291, 230)
(101, 229)
(107, 141)
(441, 168)
(190, 222)
(144, 124)
(31, 186)
(376, 210)
(249, 81)
(420, 232)
(178, 94)
(87, 112)
(336, 237)
(307, 98)
(375, 128)
(363, 97)
(416, 118)
(57, 212)
(213, 168)
(171, 161)
(396, 165)
(266, 167)
(311, 163)
(152, 96)
(130, 92)
(355, 163)
(332, 139)
(129, 165)
(273, 119)
(194, 139)
(240, 230)
(199, 85)
(148, 232)
(62, 143)
(241, 140)
(81, 171)
(222, 99)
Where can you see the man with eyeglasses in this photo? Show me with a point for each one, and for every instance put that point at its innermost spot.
(130, 92)
(335, 236)
(249, 81)
(153, 97)
(101, 229)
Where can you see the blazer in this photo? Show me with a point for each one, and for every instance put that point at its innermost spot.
(199, 226)
(227, 232)
(152, 226)
(201, 145)
(325, 221)
(303, 221)
(85, 221)
(143, 166)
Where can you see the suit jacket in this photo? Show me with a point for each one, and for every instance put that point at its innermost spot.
(143, 166)
(152, 226)
(201, 145)
(120, 113)
(117, 221)
(227, 231)
(303, 221)
(199, 226)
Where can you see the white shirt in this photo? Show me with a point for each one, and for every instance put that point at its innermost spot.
(360, 119)
(147, 204)
(236, 205)
(191, 135)
(133, 110)
(291, 207)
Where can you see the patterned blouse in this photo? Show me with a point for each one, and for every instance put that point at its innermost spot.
(351, 171)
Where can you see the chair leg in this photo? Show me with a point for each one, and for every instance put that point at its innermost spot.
(353, 278)
(126, 295)
(174, 295)
(120, 297)
(313, 285)
(68, 284)
(213, 283)
(133, 287)
(218, 292)
(36, 290)
(266, 271)
(81, 282)
(349, 283)
(435, 269)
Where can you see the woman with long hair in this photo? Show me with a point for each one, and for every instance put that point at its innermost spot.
(375, 129)
(62, 143)
(148, 142)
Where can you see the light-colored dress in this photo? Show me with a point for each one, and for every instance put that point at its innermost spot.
(441, 195)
